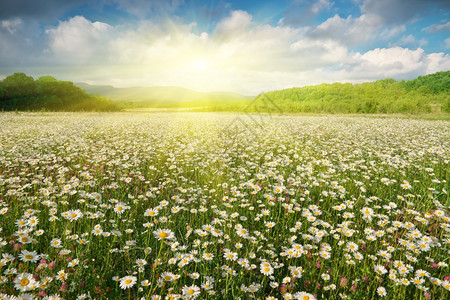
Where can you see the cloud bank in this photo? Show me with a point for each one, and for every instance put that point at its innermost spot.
(238, 54)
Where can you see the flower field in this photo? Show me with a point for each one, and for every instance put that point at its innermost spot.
(213, 206)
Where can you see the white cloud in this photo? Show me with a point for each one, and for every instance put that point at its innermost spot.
(234, 26)
(239, 55)
(321, 5)
(438, 27)
(409, 40)
(78, 39)
(395, 62)
(447, 43)
(11, 25)
(350, 31)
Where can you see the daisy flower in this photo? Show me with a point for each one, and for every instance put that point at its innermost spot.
(190, 292)
(29, 256)
(24, 282)
(381, 291)
(164, 234)
(127, 282)
(304, 296)
(266, 269)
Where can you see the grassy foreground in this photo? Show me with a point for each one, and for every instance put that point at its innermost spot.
(223, 206)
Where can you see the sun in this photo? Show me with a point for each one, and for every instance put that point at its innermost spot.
(199, 65)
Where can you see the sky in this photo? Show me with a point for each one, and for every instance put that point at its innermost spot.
(247, 47)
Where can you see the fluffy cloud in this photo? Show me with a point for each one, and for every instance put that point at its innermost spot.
(395, 62)
(78, 40)
(238, 55)
(350, 31)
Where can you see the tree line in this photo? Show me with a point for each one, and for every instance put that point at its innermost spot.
(21, 92)
(425, 94)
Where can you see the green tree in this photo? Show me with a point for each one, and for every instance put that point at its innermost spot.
(19, 85)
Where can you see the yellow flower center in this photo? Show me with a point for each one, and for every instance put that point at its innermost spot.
(28, 256)
(24, 282)
(73, 215)
(128, 281)
(191, 292)
(305, 298)
(163, 234)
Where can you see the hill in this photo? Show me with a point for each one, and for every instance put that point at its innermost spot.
(426, 94)
(22, 92)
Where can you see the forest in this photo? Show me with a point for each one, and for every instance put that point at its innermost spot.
(425, 94)
(23, 93)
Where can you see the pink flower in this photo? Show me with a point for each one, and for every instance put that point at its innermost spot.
(343, 281)
(51, 265)
(63, 287)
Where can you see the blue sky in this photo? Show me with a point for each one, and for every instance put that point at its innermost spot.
(242, 46)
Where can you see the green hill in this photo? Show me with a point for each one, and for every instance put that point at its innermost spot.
(22, 92)
(426, 94)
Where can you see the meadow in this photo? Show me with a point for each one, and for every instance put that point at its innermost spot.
(223, 206)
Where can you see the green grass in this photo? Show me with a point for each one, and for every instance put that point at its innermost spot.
(289, 191)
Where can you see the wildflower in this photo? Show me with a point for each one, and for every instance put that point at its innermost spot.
(151, 212)
(73, 263)
(127, 282)
(304, 296)
(191, 292)
(325, 276)
(61, 275)
(266, 269)
(297, 272)
(56, 243)
(52, 297)
(381, 291)
(230, 256)
(379, 269)
(24, 282)
(446, 285)
(29, 256)
(164, 234)
(72, 215)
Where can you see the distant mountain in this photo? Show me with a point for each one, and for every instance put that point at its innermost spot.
(158, 94)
